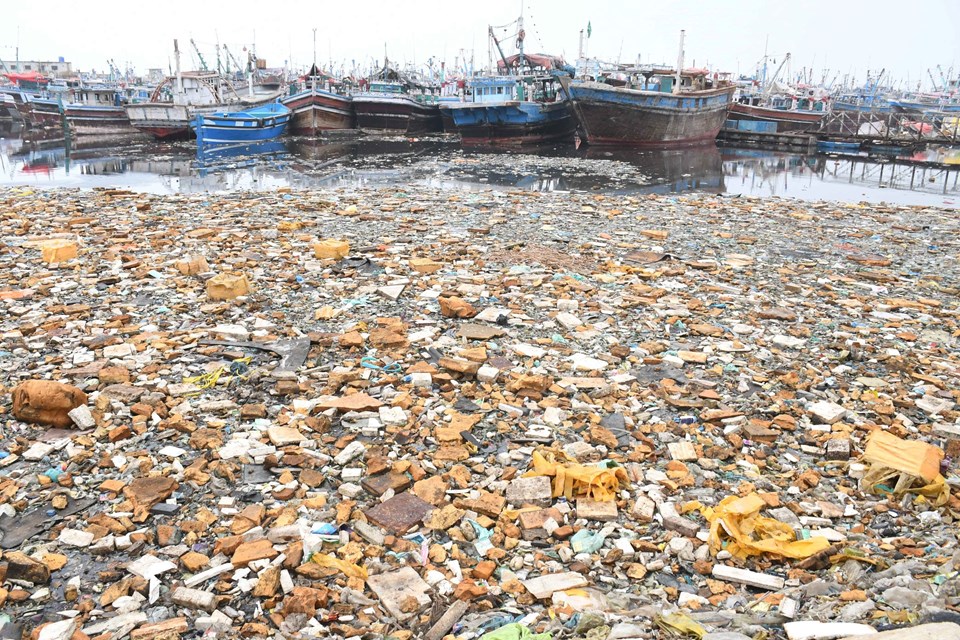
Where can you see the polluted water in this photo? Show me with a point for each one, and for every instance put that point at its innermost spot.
(385, 389)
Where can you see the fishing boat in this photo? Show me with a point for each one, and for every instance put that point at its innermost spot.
(318, 106)
(180, 98)
(655, 107)
(393, 101)
(8, 108)
(919, 104)
(786, 119)
(524, 104)
(97, 111)
(528, 108)
(16, 101)
(253, 125)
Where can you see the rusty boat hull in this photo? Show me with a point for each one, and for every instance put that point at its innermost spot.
(316, 110)
(400, 114)
(788, 120)
(620, 116)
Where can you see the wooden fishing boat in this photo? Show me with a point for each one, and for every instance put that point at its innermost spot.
(8, 108)
(44, 112)
(177, 101)
(652, 106)
(97, 111)
(653, 115)
(787, 119)
(180, 98)
(510, 110)
(319, 105)
(253, 125)
(392, 101)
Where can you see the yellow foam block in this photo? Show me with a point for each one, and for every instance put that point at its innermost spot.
(227, 286)
(329, 249)
(58, 250)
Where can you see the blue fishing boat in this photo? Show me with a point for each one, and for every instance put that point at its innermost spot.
(260, 123)
(511, 110)
(837, 146)
(523, 103)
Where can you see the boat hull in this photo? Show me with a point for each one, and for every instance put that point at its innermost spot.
(44, 113)
(254, 125)
(97, 120)
(620, 116)
(401, 114)
(510, 123)
(167, 121)
(877, 107)
(316, 111)
(787, 120)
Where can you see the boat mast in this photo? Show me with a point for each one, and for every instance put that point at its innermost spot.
(520, 36)
(314, 70)
(251, 61)
(763, 77)
(767, 89)
(679, 76)
(176, 56)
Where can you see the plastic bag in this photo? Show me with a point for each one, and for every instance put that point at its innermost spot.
(346, 568)
(515, 631)
(573, 480)
(882, 480)
(679, 623)
(738, 523)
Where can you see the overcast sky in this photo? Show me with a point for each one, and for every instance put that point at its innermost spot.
(842, 36)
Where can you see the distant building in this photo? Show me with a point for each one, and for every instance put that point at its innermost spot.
(59, 68)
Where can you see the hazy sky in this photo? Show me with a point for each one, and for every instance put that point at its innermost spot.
(843, 36)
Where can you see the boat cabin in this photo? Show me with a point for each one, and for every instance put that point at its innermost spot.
(200, 88)
(98, 97)
(393, 83)
(499, 89)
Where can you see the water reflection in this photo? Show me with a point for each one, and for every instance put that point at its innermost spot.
(914, 178)
(311, 163)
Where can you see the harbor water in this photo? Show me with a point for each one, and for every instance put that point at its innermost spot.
(177, 167)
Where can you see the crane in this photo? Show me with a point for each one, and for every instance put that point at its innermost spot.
(114, 71)
(766, 89)
(499, 49)
(943, 78)
(231, 57)
(203, 63)
(933, 81)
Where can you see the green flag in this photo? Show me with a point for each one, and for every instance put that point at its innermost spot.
(589, 29)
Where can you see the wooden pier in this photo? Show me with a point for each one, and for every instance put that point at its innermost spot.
(878, 128)
(796, 142)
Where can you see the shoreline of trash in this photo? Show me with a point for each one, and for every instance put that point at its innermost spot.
(410, 412)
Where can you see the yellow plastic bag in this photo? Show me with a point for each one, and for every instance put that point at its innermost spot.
(737, 521)
(883, 480)
(346, 568)
(573, 480)
(679, 623)
(901, 466)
